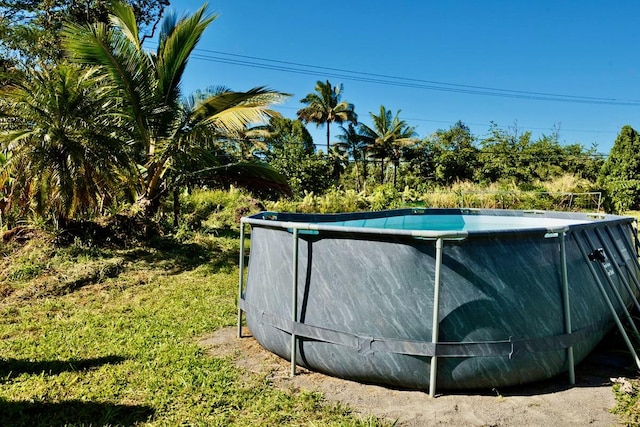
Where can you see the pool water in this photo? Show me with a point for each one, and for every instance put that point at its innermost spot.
(459, 222)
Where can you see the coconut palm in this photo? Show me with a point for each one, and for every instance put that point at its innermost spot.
(248, 144)
(387, 139)
(338, 158)
(325, 107)
(161, 125)
(63, 157)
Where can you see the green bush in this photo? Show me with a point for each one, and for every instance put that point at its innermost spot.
(338, 200)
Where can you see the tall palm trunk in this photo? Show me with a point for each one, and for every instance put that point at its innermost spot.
(328, 138)
(176, 206)
(355, 166)
(365, 173)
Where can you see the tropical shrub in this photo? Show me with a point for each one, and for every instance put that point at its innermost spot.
(620, 173)
(175, 142)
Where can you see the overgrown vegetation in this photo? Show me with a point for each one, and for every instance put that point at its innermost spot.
(106, 129)
(564, 193)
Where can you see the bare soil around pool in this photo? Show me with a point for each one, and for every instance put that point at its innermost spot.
(548, 403)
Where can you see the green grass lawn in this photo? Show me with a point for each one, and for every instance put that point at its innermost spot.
(109, 337)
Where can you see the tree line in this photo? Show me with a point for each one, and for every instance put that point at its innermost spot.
(92, 123)
(389, 150)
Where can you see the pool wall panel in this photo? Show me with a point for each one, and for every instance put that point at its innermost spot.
(493, 288)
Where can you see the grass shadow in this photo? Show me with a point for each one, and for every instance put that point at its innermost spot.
(10, 368)
(227, 232)
(178, 257)
(64, 270)
(71, 412)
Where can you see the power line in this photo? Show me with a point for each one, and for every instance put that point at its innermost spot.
(398, 81)
(524, 127)
(487, 125)
(411, 82)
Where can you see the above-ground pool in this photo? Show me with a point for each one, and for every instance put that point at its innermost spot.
(520, 295)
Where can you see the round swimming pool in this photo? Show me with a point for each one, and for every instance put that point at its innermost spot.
(460, 298)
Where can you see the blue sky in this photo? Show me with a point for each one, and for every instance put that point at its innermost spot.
(585, 53)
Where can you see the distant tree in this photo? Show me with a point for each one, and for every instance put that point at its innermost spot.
(356, 147)
(501, 156)
(324, 106)
(246, 144)
(620, 174)
(422, 160)
(338, 158)
(542, 158)
(583, 162)
(282, 131)
(291, 153)
(304, 171)
(388, 138)
(514, 156)
(30, 29)
(454, 154)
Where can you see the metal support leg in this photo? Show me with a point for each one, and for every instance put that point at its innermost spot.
(567, 307)
(607, 300)
(435, 324)
(241, 278)
(613, 287)
(634, 227)
(633, 257)
(294, 301)
(619, 271)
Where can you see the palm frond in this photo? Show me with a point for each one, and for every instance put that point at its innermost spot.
(128, 67)
(205, 167)
(233, 111)
(176, 48)
(124, 19)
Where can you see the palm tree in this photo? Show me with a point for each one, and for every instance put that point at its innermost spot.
(162, 126)
(63, 157)
(356, 146)
(325, 107)
(387, 139)
(338, 158)
(249, 143)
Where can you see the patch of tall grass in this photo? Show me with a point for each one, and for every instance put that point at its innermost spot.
(554, 195)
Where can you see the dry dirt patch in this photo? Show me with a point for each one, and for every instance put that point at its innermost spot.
(548, 403)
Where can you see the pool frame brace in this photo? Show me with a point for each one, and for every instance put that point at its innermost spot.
(512, 347)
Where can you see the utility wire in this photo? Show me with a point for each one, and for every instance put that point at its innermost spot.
(388, 80)
(449, 122)
(399, 81)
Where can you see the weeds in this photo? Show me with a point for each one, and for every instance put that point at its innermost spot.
(627, 401)
(458, 196)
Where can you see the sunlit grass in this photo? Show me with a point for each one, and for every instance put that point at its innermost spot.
(122, 349)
